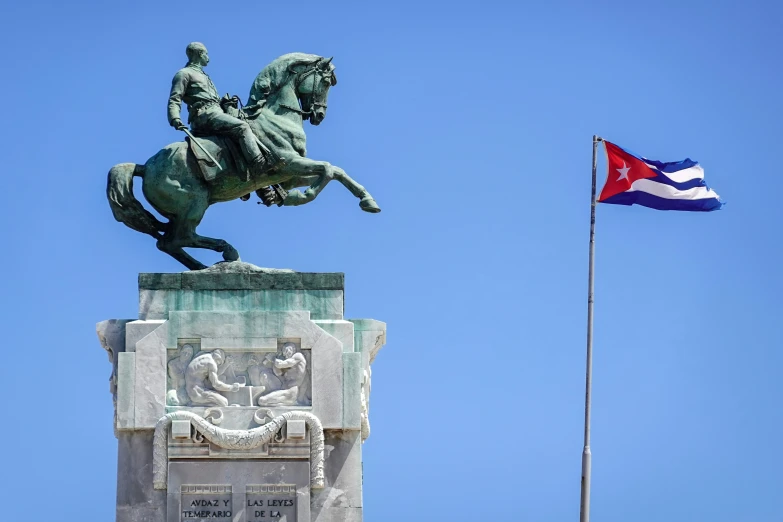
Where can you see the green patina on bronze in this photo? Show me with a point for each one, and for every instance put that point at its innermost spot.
(181, 183)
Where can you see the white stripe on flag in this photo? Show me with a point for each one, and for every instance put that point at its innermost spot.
(681, 176)
(669, 192)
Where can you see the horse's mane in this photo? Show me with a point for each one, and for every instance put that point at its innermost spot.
(270, 79)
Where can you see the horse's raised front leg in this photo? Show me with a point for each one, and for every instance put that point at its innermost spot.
(303, 172)
(366, 201)
(321, 173)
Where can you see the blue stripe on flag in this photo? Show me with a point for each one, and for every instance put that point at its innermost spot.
(644, 199)
(663, 167)
(672, 166)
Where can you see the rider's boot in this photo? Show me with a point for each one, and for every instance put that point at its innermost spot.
(262, 165)
(273, 194)
(266, 163)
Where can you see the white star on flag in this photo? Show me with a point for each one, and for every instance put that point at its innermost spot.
(623, 172)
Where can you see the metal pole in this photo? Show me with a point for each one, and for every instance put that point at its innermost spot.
(584, 508)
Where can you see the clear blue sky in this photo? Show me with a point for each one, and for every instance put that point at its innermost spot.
(471, 124)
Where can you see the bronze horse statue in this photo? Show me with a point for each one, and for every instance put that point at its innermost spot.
(291, 89)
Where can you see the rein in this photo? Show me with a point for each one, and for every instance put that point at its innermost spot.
(313, 104)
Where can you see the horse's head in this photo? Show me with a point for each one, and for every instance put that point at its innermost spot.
(305, 77)
(312, 88)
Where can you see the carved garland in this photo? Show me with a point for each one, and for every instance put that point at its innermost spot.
(237, 440)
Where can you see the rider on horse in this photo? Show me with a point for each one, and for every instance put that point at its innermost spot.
(208, 115)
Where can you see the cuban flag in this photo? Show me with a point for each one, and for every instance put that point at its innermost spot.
(634, 180)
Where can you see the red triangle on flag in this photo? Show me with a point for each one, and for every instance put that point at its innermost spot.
(623, 170)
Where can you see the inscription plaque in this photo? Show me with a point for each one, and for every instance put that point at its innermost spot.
(205, 503)
(270, 502)
(278, 487)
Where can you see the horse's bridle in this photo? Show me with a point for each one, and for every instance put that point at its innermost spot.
(314, 105)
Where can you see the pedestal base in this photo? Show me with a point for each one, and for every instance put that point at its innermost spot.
(240, 395)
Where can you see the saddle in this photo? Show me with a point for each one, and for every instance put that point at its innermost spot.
(223, 150)
(228, 156)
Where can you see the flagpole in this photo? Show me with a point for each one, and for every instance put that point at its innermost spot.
(584, 508)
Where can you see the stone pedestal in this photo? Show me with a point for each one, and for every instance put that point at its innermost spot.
(240, 395)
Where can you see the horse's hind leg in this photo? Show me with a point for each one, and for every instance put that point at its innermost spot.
(218, 245)
(184, 235)
(167, 245)
(171, 243)
(181, 229)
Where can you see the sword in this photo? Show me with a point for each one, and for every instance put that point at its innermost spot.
(200, 146)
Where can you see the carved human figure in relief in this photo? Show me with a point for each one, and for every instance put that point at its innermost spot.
(262, 374)
(178, 395)
(291, 369)
(202, 382)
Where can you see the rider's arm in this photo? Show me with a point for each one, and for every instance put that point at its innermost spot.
(178, 86)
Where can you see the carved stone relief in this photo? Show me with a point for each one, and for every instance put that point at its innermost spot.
(290, 370)
(177, 394)
(219, 377)
(202, 381)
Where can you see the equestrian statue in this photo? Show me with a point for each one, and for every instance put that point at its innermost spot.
(231, 151)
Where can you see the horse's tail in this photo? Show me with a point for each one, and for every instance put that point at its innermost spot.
(124, 205)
